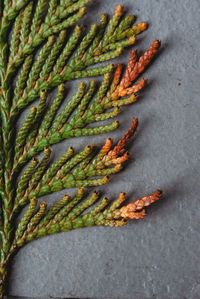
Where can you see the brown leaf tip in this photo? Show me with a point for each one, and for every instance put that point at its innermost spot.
(156, 44)
(143, 26)
(119, 10)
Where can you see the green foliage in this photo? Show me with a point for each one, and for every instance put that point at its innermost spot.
(41, 48)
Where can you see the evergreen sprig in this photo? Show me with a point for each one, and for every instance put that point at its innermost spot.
(42, 47)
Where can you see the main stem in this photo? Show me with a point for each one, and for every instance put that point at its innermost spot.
(3, 275)
(6, 187)
(4, 269)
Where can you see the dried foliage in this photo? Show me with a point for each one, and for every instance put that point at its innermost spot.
(41, 48)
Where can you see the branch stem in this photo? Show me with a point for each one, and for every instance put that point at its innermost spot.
(6, 152)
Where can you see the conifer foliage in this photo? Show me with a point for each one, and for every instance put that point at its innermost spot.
(43, 46)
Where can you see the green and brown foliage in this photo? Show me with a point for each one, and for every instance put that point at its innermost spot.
(41, 48)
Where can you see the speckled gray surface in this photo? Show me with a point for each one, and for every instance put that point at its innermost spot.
(158, 257)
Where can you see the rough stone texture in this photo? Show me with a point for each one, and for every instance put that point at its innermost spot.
(157, 257)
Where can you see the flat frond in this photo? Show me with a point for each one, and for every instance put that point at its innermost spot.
(103, 42)
(72, 170)
(90, 105)
(68, 214)
(43, 45)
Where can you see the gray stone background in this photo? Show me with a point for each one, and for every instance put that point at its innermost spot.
(158, 257)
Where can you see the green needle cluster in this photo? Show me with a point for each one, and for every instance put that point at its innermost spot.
(44, 46)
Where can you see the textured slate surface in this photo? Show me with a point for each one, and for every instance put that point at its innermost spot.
(158, 257)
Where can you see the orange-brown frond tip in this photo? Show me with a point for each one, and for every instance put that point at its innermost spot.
(118, 167)
(122, 197)
(122, 143)
(150, 53)
(156, 44)
(142, 26)
(136, 209)
(114, 94)
(118, 67)
(119, 10)
(133, 56)
(121, 159)
(148, 200)
(117, 73)
(136, 67)
(136, 87)
(133, 128)
(156, 195)
(107, 146)
(127, 214)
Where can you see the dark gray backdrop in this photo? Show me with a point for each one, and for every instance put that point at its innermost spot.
(158, 257)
